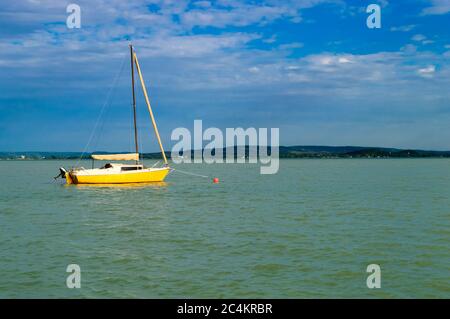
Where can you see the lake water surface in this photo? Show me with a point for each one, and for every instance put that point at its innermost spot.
(309, 231)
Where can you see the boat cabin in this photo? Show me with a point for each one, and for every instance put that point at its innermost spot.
(123, 167)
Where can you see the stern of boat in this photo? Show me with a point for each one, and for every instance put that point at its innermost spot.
(69, 179)
(64, 174)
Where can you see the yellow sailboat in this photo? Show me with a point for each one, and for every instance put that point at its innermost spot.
(120, 173)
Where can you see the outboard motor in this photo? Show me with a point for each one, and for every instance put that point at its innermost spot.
(62, 173)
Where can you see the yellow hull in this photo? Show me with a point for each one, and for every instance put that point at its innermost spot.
(121, 178)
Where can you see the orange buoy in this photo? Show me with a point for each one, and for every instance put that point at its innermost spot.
(215, 180)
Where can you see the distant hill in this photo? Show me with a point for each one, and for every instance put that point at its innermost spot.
(284, 152)
(355, 152)
(40, 155)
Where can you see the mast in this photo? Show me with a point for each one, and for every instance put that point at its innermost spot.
(134, 102)
(150, 108)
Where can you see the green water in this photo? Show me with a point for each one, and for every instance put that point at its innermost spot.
(308, 231)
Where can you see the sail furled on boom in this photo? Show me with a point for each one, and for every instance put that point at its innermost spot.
(117, 157)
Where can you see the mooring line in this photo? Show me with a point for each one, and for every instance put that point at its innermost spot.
(189, 173)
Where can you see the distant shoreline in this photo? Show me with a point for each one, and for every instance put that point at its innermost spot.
(288, 152)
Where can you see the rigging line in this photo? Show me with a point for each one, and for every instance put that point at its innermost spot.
(106, 116)
(155, 164)
(102, 110)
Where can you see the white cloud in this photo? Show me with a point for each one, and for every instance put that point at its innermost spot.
(437, 7)
(409, 49)
(290, 46)
(418, 38)
(218, 57)
(191, 45)
(202, 4)
(428, 71)
(422, 39)
(344, 60)
(271, 39)
(403, 28)
(240, 13)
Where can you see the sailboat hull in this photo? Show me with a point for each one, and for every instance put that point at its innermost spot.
(143, 176)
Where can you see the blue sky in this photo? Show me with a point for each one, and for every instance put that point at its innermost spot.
(311, 68)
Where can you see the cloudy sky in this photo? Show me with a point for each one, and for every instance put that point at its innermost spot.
(310, 67)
